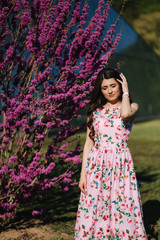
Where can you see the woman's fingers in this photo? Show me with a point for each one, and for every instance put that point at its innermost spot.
(83, 187)
(83, 184)
(123, 77)
(123, 83)
(84, 190)
(119, 80)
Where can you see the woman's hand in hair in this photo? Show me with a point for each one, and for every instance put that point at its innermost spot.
(83, 183)
(124, 83)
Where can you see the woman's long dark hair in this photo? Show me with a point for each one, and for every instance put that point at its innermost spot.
(97, 99)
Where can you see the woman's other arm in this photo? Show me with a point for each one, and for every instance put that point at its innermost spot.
(87, 147)
(128, 110)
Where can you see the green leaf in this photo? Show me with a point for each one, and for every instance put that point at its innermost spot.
(83, 226)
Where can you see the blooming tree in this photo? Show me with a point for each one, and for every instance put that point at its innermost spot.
(51, 53)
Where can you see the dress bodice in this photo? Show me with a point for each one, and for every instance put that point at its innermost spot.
(110, 130)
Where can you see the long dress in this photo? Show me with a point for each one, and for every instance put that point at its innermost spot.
(112, 207)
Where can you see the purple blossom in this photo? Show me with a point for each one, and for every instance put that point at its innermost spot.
(29, 144)
(49, 125)
(13, 159)
(9, 54)
(2, 146)
(49, 168)
(39, 137)
(37, 212)
(66, 188)
(38, 156)
(25, 19)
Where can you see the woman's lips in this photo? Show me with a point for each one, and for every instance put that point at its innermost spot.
(111, 95)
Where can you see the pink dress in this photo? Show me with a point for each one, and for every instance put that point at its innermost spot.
(112, 207)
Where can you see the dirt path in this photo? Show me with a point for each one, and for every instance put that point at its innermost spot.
(35, 232)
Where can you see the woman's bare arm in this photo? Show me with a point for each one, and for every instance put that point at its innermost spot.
(128, 110)
(87, 147)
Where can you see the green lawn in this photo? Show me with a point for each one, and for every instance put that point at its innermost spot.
(61, 207)
(145, 148)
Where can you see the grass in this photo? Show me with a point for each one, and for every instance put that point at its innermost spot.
(144, 145)
(61, 207)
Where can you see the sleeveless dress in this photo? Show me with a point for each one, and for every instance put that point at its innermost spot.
(112, 207)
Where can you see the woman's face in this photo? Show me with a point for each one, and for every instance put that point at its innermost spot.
(111, 90)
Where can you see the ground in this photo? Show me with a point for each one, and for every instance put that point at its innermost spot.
(36, 231)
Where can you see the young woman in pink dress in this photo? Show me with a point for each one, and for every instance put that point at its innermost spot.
(110, 203)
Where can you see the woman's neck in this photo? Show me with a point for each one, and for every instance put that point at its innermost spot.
(116, 104)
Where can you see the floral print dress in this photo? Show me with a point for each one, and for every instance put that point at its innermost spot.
(112, 208)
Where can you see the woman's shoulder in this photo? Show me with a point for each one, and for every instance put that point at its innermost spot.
(95, 113)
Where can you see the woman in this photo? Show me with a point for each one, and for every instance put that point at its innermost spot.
(110, 204)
